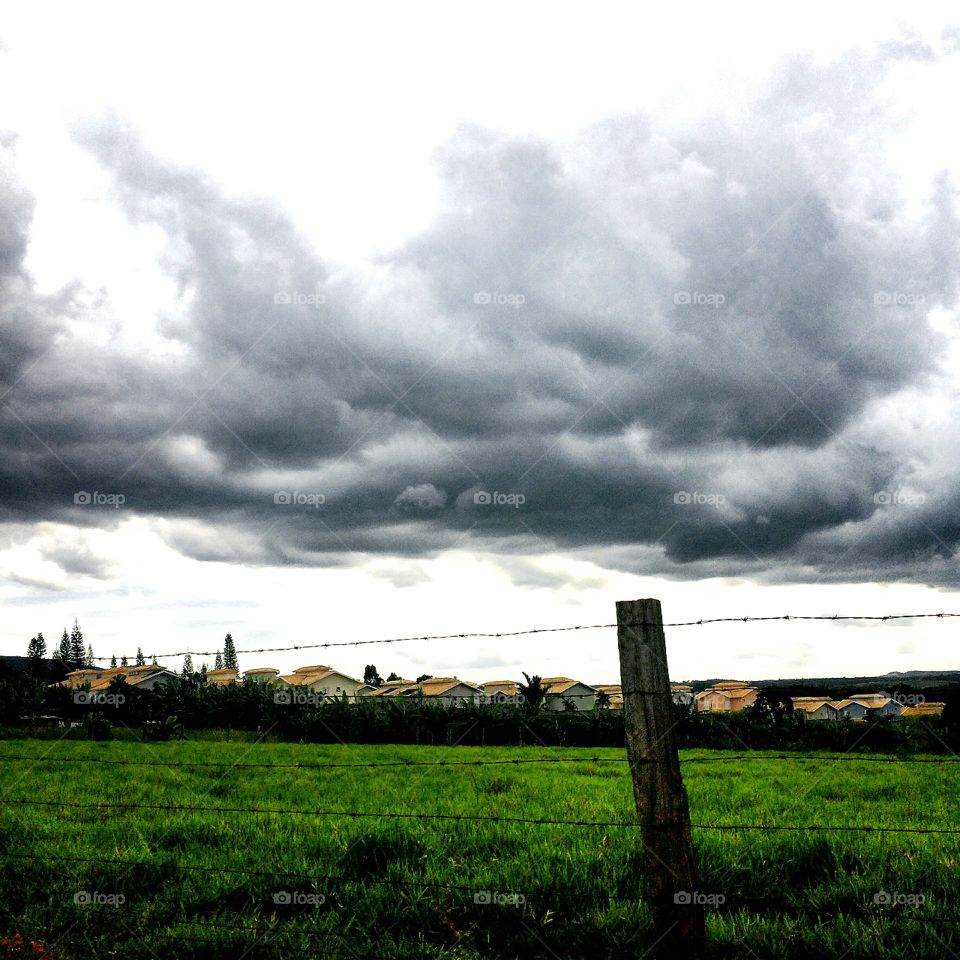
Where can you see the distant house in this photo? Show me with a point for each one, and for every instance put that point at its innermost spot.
(390, 688)
(886, 708)
(728, 696)
(932, 708)
(816, 708)
(869, 705)
(223, 676)
(563, 690)
(880, 704)
(852, 709)
(509, 688)
(325, 682)
(614, 691)
(450, 691)
(261, 674)
(682, 694)
(144, 677)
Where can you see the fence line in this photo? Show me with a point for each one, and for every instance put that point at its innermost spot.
(520, 761)
(564, 629)
(318, 766)
(457, 817)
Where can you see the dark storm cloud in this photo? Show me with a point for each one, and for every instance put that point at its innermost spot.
(656, 351)
(27, 321)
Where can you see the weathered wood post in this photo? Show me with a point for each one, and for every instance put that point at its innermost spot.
(671, 867)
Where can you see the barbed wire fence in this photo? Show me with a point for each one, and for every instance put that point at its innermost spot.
(639, 694)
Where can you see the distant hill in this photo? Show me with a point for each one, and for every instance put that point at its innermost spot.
(19, 664)
(11, 667)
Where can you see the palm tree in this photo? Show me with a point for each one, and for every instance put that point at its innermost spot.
(533, 692)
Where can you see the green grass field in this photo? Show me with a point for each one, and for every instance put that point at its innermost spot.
(408, 887)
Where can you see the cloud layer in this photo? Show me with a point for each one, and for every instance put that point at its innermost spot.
(691, 354)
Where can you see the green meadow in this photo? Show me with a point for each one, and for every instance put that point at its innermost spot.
(86, 879)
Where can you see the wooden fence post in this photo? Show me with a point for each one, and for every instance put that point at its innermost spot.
(671, 867)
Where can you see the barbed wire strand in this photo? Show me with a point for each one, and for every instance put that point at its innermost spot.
(457, 817)
(520, 761)
(489, 635)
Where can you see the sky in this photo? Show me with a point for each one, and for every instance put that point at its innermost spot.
(322, 324)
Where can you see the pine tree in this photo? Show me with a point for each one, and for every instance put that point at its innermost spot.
(37, 652)
(90, 660)
(218, 661)
(123, 662)
(63, 651)
(229, 652)
(141, 659)
(113, 662)
(78, 655)
(187, 667)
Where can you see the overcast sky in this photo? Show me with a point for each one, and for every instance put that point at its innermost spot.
(327, 323)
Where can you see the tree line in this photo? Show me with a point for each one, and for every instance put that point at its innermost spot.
(186, 707)
(71, 655)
